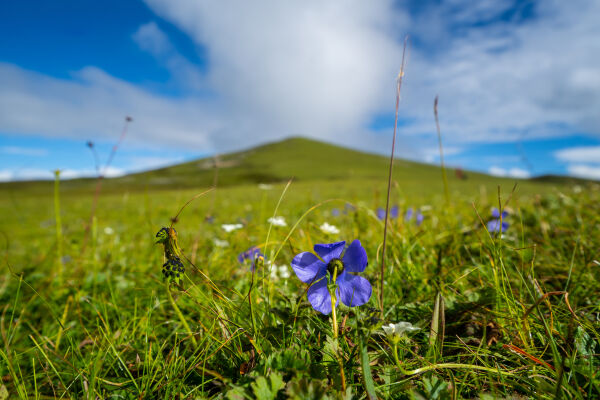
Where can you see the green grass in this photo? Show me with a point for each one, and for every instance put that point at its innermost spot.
(107, 328)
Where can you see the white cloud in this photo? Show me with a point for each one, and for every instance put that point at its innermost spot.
(27, 174)
(153, 40)
(95, 104)
(319, 69)
(584, 171)
(150, 38)
(583, 154)
(325, 69)
(23, 151)
(508, 80)
(432, 154)
(511, 172)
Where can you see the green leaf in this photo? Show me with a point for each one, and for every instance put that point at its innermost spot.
(267, 389)
(366, 371)
(436, 334)
(307, 389)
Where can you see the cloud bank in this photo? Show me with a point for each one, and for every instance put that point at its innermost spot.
(504, 72)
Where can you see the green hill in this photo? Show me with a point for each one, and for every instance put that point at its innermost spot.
(303, 159)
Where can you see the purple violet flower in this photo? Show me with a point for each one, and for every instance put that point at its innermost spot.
(335, 212)
(494, 224)
(254, 254)
(409, 214)
(352, 289)
(393, 213)
(419, 218)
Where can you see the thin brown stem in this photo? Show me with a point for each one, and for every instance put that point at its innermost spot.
(439, 133)
(389, 187)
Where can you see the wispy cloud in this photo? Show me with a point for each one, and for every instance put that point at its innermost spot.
(26, 174)
(23, 151)
(585, 171)
(510, 172)
(583, 154)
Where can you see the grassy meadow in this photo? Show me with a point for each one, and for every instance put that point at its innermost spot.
(85, 311)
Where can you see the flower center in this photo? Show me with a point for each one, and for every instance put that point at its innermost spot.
(335, 265)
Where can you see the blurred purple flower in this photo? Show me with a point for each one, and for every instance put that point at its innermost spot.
(348, 208)
(394, 211)
(254, 254)
(419, 218)
(352, 289)
(335, 212)
(409, 214)
(495, 225)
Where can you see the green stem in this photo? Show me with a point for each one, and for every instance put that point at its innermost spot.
(335, 331)
(444, 366)
(180, 315)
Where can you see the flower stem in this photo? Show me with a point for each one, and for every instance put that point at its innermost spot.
(180, 315)
(335, 330)
(444, 366)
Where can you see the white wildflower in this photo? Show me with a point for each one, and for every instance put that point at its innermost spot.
(221, 243)
(231, 227)
(284, 271)
(277, 221)
(328, 228)
(108, 230)
(265, 186)
(277, 272)
(401, 329)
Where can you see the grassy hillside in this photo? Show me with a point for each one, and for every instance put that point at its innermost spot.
(303, 159)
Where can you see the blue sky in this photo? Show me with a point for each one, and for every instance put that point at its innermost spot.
(518, 81)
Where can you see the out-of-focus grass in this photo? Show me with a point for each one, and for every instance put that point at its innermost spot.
(510, 330)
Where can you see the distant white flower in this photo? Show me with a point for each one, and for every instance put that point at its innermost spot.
(221, 243)
(331, 229)
(284, 271)
(231, 227)
(265, 186)
(277, 221)
(273, 272)
(278, 271)
(108, 230)
(395, 331)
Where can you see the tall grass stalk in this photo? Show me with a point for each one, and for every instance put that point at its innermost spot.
(100, 178)
(391, 167)
(439, 134)
(59, 231)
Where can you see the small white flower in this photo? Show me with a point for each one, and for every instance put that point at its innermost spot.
(265, 186)
(278, 271)
(284, 271)
(108, 230)
(277, 221)
(231, 227)
(273, 272)
(399, 329)
(221, 243)
(327, 228)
